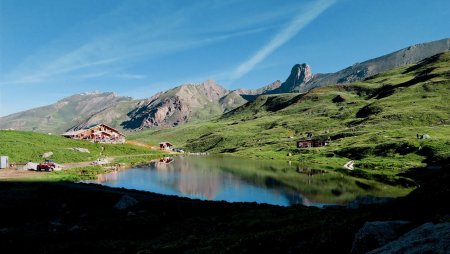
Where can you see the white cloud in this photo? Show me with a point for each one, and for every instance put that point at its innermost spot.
(115, 50)
(297, 24)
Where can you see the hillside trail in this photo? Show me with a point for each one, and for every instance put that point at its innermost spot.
(136, 143)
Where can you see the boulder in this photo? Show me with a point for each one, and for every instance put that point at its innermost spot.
(125, 202)
(375, 234)
(47, 155)
(349, 165)
(82, 150)
(100, 162)
(428, 238)
(426, 136)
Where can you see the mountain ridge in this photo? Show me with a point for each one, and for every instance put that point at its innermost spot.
(360, 71)
(191, 102)
(63, 114)
(181, 104)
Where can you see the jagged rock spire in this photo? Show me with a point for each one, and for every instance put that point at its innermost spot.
(300, 75)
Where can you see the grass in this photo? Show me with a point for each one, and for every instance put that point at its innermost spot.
(140, 159)
(22, 147)
(69, 175)
(376, 124)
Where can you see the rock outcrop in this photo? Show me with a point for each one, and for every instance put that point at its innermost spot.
(428, 238)
(375, 234)
(125, 202)
(300, 75)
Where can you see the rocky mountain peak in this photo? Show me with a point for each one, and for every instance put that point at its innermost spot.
(213, 90)
(300, 74)
(181, 104)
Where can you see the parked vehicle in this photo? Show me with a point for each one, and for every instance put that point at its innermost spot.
(48, 165)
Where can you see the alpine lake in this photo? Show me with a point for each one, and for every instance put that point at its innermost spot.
(234, 179)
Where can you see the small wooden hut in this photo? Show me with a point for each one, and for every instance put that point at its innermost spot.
(307, 143)
(166, 146)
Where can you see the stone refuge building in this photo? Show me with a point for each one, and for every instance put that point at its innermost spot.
(100, 133)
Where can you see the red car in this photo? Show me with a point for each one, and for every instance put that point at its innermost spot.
(48, 165)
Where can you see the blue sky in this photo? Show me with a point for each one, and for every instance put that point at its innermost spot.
(50, 49)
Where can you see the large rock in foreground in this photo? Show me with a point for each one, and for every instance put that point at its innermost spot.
(375, 234)
(428, 238)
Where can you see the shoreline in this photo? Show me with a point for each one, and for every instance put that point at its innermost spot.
(98, 173)
(67, 218)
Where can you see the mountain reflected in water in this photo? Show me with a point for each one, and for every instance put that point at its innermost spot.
(237, 180)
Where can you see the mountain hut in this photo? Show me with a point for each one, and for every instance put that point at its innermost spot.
(100, 133)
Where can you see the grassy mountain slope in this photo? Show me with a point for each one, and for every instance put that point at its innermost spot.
(64, 114)
(113, 115)
(374, 122)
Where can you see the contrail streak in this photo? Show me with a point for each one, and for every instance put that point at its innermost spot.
(297, 24)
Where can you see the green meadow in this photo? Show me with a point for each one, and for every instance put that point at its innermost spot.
(22, 146)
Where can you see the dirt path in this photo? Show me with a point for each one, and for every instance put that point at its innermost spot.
(77, 164)
(11, 173)
(136, 143)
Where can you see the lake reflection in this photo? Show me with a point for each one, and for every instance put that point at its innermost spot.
(209, 178)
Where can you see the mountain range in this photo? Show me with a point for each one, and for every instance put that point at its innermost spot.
(193, 102)
(386, 124)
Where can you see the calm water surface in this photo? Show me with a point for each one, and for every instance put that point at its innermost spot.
(225, 178)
